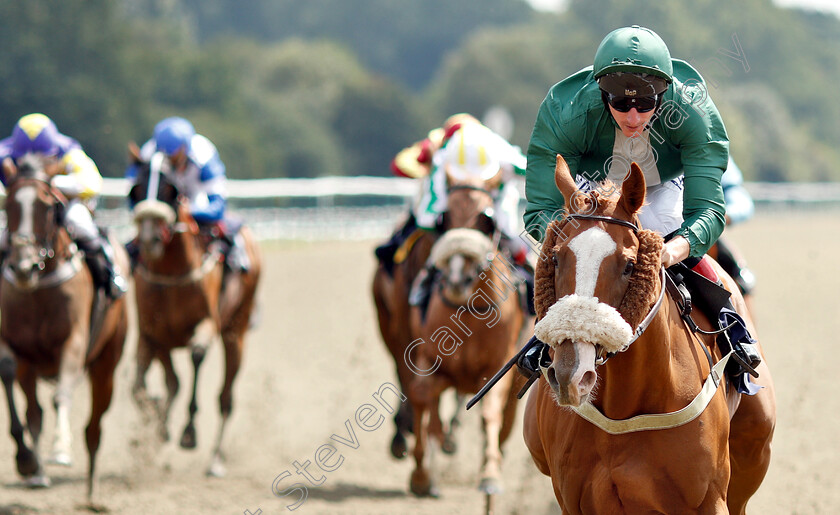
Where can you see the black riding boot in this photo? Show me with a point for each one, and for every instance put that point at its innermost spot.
(385, 252)
(421, 289)
(735, 267)
(236, 257)
(712, 299)
(100, 260)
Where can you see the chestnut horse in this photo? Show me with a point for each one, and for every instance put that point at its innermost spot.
(183, 297)
(650, 430)
(472, 327)
(46, 299)
(469, 202)
(390, 295)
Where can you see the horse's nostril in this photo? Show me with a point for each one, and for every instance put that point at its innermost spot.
(588, 381)
(552, 378)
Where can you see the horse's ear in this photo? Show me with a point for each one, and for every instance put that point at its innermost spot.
(450, 179)
(9, 170)
(133, 152)
(494, 182)
(563, 179)
(633, 190)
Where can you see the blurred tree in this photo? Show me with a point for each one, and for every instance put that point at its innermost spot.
(65, 59)
(510, 67)
(337, 101)
(404, 39)
(374, 122)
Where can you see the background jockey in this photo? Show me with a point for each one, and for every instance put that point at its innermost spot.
(473, 150)
(739, 208)
(199, 174)
(79, 181)
(415, 162)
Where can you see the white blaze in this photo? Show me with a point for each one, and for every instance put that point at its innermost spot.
(26, 198)
(590, 248)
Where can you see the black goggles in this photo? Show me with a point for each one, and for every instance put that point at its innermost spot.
(625, 104)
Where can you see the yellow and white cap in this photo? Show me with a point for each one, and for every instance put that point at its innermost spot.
(472, 151)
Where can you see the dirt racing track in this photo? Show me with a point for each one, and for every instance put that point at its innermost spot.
(316, 360)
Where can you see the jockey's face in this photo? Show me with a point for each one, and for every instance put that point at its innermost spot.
(631, 123)
(178, 160)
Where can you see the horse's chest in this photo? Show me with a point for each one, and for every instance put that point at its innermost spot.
(171, 316)
(657, 472)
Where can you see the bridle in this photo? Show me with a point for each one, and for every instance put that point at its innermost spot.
(643, 325)
(46, 243)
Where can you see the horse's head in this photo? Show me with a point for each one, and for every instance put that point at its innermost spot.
(157, 203)
(32, 215)
(461, 255)
(470, 202)
(595, 280)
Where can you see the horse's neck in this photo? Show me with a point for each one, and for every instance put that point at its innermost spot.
(183, 253)
(499, 281)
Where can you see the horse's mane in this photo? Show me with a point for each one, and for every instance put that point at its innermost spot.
(640, 294)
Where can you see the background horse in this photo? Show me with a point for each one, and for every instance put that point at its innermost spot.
(472, 327)
(599, 278)
(183, 297)
(46, 299)
(390, 293)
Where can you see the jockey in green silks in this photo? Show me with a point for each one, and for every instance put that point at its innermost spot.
(638, 104)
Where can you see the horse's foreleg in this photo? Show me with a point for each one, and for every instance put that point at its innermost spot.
(28, 464)
(205, 333)
(421, 482)
(101, 372)
(531, 427)
(172, 387)
(70, 371)
(28, 379)
(143, 361)
(750, 433)
(233, 360)
(509, 411)
(450, 443)
(492, 407)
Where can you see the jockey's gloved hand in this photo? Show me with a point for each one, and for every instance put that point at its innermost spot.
(534, 354)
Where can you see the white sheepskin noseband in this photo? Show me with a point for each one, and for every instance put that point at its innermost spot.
(467, 242)
(153, 208)
(584, 319)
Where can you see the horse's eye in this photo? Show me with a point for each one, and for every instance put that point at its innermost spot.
(628, 269)
(554, 259)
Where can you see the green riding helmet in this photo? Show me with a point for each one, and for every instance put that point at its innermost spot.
(633, 61)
